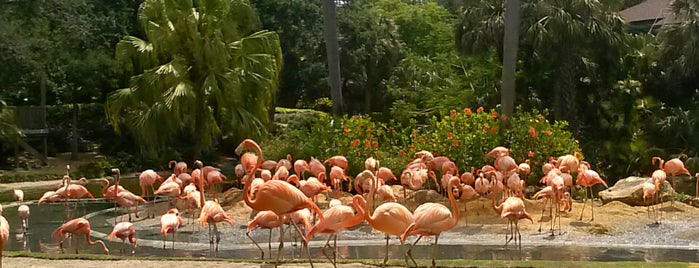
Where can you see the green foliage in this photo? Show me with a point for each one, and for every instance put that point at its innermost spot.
(8, 128)
(299, 25)
(68, 44)
(531, 136)
(424, 86)
(463, 136)
(202, 72)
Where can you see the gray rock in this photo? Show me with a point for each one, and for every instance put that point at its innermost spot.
(630, 191)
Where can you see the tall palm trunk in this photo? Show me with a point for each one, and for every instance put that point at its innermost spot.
(509, 63)
(565, 92)
(333, 53)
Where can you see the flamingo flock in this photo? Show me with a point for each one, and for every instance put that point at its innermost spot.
(281, 198)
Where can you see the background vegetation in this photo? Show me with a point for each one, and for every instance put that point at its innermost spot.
(619, 97)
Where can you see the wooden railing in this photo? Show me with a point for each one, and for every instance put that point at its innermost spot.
(31, 119)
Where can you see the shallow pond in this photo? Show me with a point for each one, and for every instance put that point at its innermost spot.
(358, 243)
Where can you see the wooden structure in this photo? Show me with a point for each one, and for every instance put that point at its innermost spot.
(32, 123)
(649, 16)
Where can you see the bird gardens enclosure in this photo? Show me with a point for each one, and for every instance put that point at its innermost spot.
(392, 217)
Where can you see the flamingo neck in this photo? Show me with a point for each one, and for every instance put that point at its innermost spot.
(363, 210)
(87, 238)
(360, 212)
(372, 192)
(450, 193)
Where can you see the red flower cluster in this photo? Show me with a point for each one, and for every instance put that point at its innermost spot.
(532, 133)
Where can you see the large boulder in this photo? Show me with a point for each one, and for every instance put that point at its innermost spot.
(683, 184)
(630, 191)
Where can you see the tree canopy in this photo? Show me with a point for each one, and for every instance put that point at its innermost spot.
(202, 71)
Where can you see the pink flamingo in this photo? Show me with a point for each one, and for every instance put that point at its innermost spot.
(266, 220)
(126, 198)
(4, 233)
(338, 160)
(148, 177)
(79, 226)
(588, 178)
(212, 213)
(169, 223)
(337, 218)
(513, 210)
(390, 218)
(337, 175)
(278, 196)
(124, 230)
(301, 167)
(180, 167)
(431, 219)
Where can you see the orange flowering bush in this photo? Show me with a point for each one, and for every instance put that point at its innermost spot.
(462, 135)
(533, 137)
(465, 137)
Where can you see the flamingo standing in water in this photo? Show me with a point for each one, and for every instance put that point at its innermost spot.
(79, 226)
(125, 198)
(147, 178)
(431, 219)
(212, 213)
(390, 218)
(169, 223)
(124, 230)
(278, 196)
(337, 218)
(22, 210)
(266, 220)
(513, 210)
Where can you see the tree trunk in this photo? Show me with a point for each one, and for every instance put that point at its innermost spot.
(74, 143)
(509, 63)
(333, 53)
(197, 143)
(565, 92)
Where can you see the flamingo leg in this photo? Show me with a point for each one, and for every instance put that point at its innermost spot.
(152, 206)
(281, 238)
(592, 204)
(510, 230)
(434, 249)
(218, 236)
(335, 249)
(541, 219)
(269, 241)
(519, 235)
(327, 245)
(409, 253)
(308, 250)
(262, 252)
(584, 203)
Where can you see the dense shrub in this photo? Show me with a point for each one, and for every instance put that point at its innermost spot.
(464, 136)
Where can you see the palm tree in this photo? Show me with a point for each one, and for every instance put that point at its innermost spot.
(202, 72)
(677, 51)
(559, 37)
(333, 53)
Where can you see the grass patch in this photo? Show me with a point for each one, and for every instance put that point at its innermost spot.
(369, 262)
